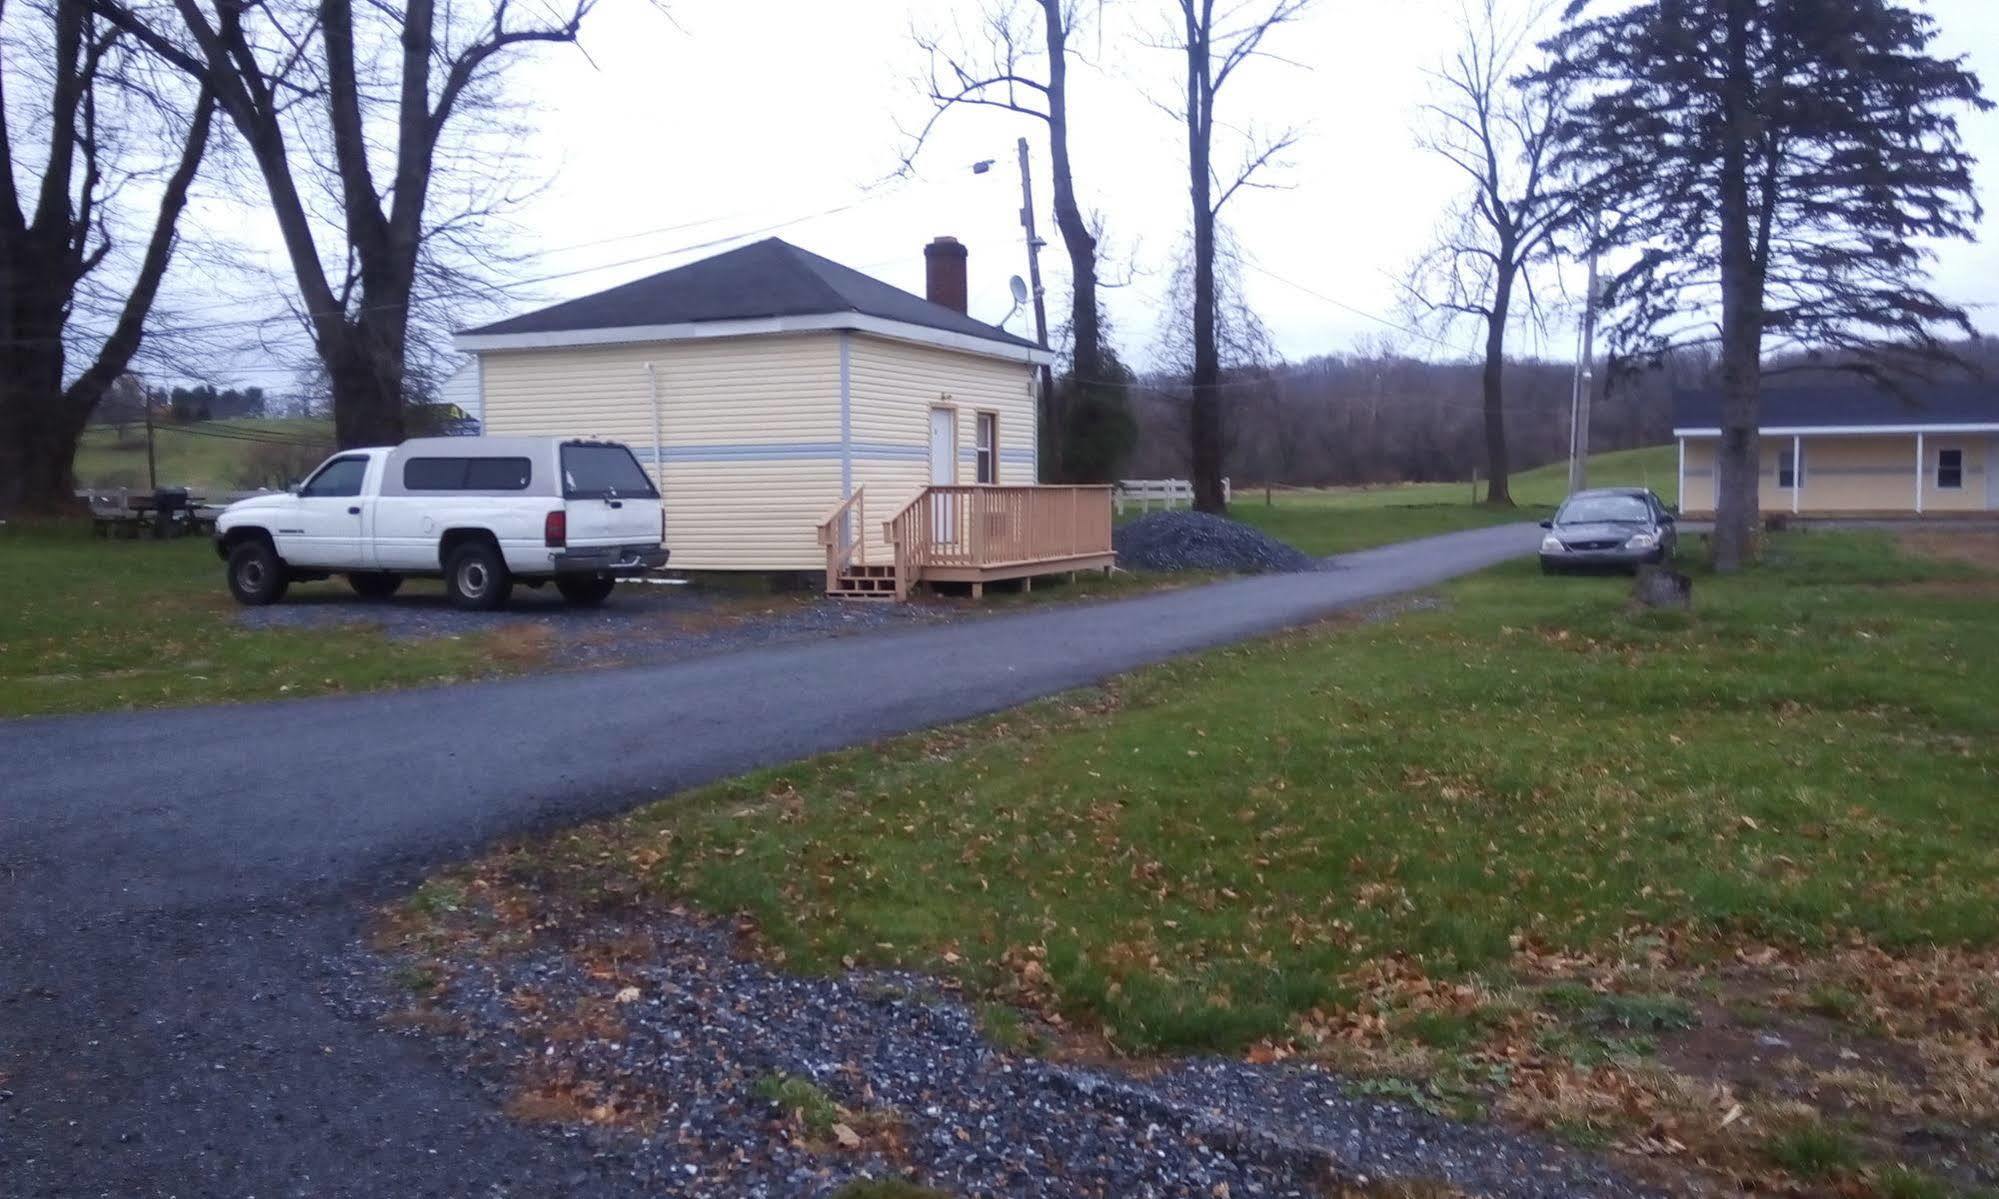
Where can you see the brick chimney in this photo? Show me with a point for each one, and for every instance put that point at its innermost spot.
(944, 273)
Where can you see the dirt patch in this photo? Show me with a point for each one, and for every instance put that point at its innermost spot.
(1973, 547)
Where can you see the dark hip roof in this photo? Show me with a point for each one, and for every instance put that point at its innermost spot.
(1850, 406)
(768, 278)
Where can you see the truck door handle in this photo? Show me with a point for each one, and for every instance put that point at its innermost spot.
(615, 503)
(354, 511)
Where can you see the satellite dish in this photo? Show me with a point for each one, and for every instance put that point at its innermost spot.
(1019, 288)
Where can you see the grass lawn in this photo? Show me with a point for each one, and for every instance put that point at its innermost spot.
(1339, 520)
(1526, 854)
(194, 456)
(89, 624)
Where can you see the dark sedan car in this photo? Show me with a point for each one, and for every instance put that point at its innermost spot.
(1622, 527)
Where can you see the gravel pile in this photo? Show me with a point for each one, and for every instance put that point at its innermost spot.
(681, 1032)
(1180, 540)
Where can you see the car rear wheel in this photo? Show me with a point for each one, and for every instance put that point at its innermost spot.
(256, 574)
(585, 591)
(476, 578)
(374, 584)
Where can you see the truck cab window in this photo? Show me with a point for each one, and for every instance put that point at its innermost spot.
(340, 477)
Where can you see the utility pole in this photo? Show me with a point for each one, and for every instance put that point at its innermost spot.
(1045, 409)
(1585, 387)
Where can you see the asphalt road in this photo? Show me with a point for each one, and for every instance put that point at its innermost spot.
(174, 885)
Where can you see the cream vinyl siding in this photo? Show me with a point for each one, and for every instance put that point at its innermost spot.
(1855, 473)
(893, 386)
(750, 428)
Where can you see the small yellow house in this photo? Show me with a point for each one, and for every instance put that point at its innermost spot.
(1855, 451)
(799, 415)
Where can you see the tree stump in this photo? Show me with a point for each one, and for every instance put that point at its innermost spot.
(1661, 587)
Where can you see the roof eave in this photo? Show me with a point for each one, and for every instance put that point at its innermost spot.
(1856, 430)
(475, 342)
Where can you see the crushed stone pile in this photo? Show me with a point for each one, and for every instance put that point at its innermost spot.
(1185, 540)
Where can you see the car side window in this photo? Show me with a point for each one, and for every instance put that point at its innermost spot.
(340, 477)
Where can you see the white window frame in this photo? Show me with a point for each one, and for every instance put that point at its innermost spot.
(1793, 457)
(985, 447)
(1940, 484)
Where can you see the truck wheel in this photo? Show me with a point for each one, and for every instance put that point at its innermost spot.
(585, 591)
(374, 584)
(256, 574)
(476, 577)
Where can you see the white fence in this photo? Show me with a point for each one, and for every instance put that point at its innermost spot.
(1167, 493)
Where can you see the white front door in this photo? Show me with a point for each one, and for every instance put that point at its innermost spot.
(943, 472)
(1992, 473)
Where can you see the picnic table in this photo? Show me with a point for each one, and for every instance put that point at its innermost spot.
(167, 512)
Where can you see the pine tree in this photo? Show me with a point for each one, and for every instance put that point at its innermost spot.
(1784, 162)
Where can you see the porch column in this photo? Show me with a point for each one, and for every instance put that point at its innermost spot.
(1798, 470)
(1919, 473)
(1680, 497)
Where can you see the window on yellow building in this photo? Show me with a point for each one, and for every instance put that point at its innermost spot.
(1950, 470)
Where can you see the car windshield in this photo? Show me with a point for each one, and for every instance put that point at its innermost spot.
(1605, 509)
(601, 472)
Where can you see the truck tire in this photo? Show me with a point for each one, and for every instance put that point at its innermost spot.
(476, 577)
(256, 573)
(585, 591)
(374, 584)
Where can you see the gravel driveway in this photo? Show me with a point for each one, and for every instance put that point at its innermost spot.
(177, 887)
(641, 622)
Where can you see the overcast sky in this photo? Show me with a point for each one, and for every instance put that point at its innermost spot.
(736, 120)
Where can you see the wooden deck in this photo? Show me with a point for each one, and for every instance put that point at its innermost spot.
(969, 534)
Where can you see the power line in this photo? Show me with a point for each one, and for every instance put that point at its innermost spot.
(1344, 306)
(211, 326)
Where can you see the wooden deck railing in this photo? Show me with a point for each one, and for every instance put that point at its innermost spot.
(844, 534)
(987, 527)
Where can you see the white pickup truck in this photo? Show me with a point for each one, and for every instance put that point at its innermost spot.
(482, 512)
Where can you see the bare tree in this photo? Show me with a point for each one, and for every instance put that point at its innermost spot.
(93, 118)
(1217, 41)
(371, 101)
(1010, 71)
(1499, 132)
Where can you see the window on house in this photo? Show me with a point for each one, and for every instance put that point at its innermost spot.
(1787, 469)
(988, 448)
(1950, 470)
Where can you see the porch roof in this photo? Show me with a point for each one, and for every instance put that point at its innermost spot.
(1791, 411)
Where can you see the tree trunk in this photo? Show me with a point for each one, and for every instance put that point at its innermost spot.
(1498, 469)
(1206, 418)
(364, 366)
(1087, 368)
(39, 432)
(1737, 457)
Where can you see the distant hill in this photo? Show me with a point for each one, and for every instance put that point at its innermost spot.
(205, 456)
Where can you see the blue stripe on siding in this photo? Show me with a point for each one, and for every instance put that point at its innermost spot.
(787, 451)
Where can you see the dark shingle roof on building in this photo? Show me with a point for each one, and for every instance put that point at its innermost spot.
(769, 278)
(1850, 406)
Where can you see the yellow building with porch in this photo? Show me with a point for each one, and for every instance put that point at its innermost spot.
(1854, 451)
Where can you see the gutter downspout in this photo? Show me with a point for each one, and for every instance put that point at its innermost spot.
(658, 454)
